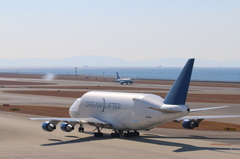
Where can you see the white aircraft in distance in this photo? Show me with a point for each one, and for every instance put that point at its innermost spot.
(126, 113)
(124, 80)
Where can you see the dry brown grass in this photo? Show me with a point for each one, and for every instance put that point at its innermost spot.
(98, 87)
(201, 84)
(199, 98)
(69, 94)
(38, 110)
(2, 83)
(204, 125)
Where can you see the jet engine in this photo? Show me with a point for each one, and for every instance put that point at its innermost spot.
(66, 127)
(48, 126)
(190, 124)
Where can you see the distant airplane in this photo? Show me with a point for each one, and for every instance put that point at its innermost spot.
(124, 80)
(126, 113)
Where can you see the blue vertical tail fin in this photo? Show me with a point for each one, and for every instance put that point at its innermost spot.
(178, 93)
(117, 76)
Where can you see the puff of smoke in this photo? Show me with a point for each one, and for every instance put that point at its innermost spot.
(49, 77)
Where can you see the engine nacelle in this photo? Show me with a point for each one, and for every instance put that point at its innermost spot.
(66, 127)
(48, 126)
(189, 124)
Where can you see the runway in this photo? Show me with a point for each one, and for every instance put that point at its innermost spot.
(41, 100)
(22, 138)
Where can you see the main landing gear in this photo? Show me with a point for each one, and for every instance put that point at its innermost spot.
(81, 128)
(131, 134)
(128, 133)
(98, 134)
(116, 133)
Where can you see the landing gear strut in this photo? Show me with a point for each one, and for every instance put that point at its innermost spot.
(98, 134)
(81, 128)
(115, 134)
(136, 133)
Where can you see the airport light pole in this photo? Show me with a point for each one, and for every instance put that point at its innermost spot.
(76, 72)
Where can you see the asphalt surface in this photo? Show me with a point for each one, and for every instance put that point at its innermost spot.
(22, 138)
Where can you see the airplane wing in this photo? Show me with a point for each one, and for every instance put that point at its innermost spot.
(91, 121)
(206, 117)
(200, 109)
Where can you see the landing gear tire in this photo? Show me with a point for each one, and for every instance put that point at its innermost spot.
(131, 133)
(127, 135)
(80, 129)
(98, 134)
(117, 135)
(135, 133)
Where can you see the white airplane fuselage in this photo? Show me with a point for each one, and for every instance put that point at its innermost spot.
(126, 111)
(125, 80)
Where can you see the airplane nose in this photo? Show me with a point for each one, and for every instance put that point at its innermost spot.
(72, 113)
(74, 108)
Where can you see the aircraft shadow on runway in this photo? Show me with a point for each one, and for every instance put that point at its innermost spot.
(192, 137)
(151, 139)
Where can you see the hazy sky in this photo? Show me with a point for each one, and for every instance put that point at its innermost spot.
(127, 29)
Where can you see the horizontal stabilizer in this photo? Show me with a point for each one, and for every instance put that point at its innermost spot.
(200, 109)
(207, 117)
(165, 111)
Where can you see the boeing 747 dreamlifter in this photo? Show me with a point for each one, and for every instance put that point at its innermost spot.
(126, 113)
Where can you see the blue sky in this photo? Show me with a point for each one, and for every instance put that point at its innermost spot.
(127, 29)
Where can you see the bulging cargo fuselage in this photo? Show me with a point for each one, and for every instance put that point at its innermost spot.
(126, 113)
(126, 110)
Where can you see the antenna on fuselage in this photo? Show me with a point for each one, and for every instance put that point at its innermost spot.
(178, 93)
